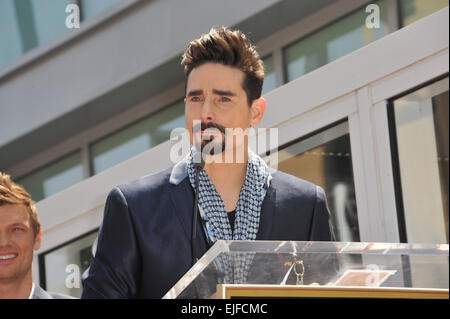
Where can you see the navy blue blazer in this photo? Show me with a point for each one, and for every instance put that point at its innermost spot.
(144, 244)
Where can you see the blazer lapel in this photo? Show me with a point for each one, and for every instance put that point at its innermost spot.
(183, 200)
(182, 196)
(267, 212)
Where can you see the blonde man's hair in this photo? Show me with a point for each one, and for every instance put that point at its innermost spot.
(12, 193)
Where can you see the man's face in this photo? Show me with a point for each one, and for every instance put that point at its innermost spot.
(215, 98)
(17, 242)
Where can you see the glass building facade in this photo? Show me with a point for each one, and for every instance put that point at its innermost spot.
(324, 158)
(420, 130)
(332, 42)
(418, 123)
(322, 46)
(54, 177)
(28, 24)
(136, 138)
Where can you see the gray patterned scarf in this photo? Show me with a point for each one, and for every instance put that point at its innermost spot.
(235, 267)
(248, 207)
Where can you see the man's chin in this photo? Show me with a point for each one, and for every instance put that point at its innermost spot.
(213, 150)
(9, 276)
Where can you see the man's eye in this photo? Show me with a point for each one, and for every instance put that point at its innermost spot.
(195, 99)
(225, 99)
(17, 229)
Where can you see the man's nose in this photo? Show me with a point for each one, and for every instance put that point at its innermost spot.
(207, 112)
(4, 239)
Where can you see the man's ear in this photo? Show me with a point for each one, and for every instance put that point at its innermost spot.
(38, 240)
(258, 108)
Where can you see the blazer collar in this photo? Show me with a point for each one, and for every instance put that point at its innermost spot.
(179, 172)
(267, 210)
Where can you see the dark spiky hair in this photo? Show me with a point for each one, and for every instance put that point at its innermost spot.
(230, 48)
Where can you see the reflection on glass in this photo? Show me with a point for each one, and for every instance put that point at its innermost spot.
(325, 160)
(398, 266)
(413, 10)
(137, 137)
(26, 24)
(422, 132)
(54, 177)
(332, 42)
(10, 34)
(269, 80)
(65, 266)
(91, 8)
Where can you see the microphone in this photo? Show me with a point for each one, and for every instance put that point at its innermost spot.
(198, 168)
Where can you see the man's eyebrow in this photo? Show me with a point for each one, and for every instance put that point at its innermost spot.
(224, 93)
(195, 92)
(19, 224)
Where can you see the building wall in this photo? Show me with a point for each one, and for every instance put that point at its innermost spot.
(339, 107)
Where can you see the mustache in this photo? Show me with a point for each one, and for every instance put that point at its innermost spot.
(203, 126)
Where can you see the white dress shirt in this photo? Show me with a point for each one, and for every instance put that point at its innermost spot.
(32, 292)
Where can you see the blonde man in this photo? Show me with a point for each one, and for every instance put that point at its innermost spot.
(20, 234)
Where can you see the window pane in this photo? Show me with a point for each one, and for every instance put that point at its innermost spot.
(269, 80)
(54, 177)
(26, 24)
(332, 42)
(325, 160)
(91, 8)
(137, 138)
(65, 266)
(49, 18)
(10, 35)
(413, 10)
(422, 135)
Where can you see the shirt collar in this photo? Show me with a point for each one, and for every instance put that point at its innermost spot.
(32, 291)
(179, 171)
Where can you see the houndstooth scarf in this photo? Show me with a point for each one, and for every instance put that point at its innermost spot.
(248, 207)
(235, 267)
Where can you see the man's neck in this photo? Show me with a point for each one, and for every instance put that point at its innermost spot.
(19, 288)
(228, 179)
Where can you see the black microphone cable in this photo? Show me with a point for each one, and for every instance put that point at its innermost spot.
(198, 168)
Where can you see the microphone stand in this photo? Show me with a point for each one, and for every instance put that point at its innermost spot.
(198, 168)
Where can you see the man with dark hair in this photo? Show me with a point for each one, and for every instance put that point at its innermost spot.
(144, 245)
(20, 234)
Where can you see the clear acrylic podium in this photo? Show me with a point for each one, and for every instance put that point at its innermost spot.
(287, 269)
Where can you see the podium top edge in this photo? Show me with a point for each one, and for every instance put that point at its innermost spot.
(300, 247)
